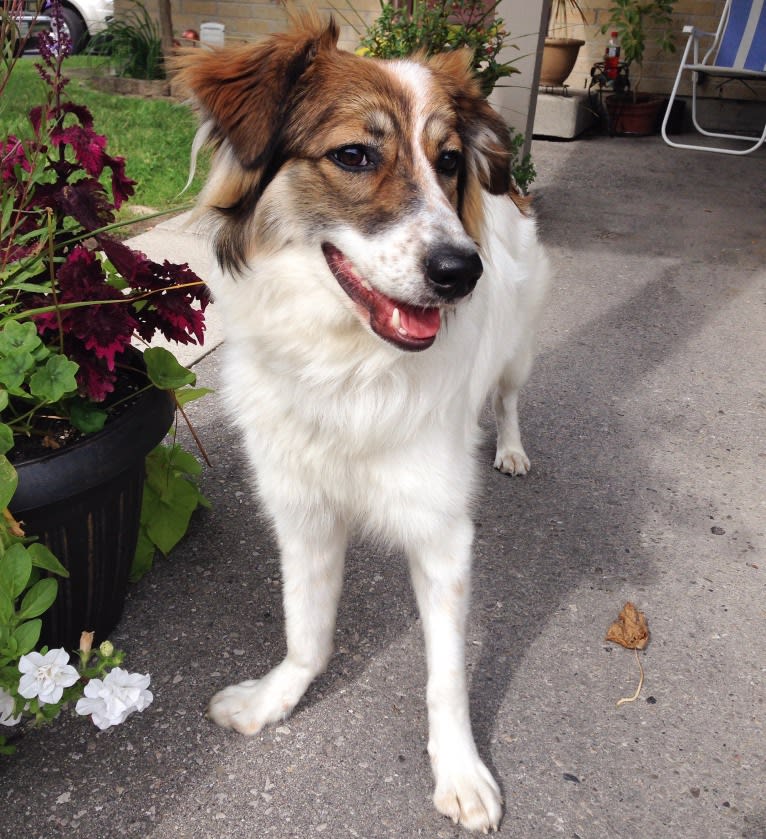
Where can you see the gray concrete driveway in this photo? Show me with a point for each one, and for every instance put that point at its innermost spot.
(645, 422)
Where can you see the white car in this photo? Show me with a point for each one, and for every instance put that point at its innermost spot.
(82, 19)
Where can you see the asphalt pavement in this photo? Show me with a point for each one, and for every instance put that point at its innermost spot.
(645, 422)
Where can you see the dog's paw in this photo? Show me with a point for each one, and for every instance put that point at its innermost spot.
(242, 707)
(249, 706)
(512, 461)
(468, 794)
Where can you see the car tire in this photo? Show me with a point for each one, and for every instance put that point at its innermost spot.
(74, 26)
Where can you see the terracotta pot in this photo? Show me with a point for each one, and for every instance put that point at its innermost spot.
(84, 503)
(637, 118)
(559, 57)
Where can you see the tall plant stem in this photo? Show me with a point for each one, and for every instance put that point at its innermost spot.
(52, 275)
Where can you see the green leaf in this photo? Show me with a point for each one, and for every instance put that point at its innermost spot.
(9, 480)
(164, 463)
(144, 556)
(32, 288)
(3, 400)
(39, 598)
(86, 416)
(164, 371)
(6, 438)
(14, 368)
(169, 519)
(12, 647)
(6, 608)
(27, 635)
(170, 497)
(15, 570)
(189, 394)
(43, 558)
(41, 353)
(55, 379)
(157, 469)
(18, 337)
(6, 748)
(6, 210)
(185, 462)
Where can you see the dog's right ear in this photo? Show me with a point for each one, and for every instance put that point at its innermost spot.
(244, 92)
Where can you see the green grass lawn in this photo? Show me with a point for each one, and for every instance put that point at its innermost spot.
(153, 135)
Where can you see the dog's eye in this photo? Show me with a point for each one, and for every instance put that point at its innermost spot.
(353, 158)
(449, 162)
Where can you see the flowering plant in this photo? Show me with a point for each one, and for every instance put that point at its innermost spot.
(48, 682)
(74, 298)
(440, 26)
(35, 685)
(65, 275)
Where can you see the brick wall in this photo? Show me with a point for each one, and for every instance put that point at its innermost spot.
(660, 69)
(250, 21)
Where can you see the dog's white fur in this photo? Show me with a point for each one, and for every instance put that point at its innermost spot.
(346, 433)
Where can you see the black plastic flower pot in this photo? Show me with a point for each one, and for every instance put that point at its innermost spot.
(84, 503)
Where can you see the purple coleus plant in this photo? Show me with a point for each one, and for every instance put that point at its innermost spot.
(96, 292)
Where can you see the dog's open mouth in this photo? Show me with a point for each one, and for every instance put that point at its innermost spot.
(407, 327)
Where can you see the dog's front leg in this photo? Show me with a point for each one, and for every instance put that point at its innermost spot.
(312, 555)
(511, 457)
(465, 789)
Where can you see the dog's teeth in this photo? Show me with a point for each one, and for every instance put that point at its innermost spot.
(366, 285)
(396, 322)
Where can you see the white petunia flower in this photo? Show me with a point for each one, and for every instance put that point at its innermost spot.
(46, 676)
(111, 700)
(6, 709)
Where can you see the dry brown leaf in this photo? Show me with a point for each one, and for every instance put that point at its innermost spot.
(630, 630)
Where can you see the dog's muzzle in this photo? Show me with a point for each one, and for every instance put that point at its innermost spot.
(453, 272)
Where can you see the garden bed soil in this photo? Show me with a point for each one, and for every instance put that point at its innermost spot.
(53, 433)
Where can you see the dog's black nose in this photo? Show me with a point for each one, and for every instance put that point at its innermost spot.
(452, 271)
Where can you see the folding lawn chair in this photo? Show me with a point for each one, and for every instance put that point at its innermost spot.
(738, 51)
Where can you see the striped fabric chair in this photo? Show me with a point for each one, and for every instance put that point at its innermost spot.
(738, 51)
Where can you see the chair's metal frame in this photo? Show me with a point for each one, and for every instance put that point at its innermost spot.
(707, 66)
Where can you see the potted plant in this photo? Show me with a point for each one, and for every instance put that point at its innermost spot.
(443, 25)
(433, 27)
(636, 23)
(80, 406)
(560, 51)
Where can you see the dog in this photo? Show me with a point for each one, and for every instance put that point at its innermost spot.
(378, 276)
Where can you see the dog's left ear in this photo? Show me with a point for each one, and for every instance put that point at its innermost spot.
(486, 138)
(246, 91)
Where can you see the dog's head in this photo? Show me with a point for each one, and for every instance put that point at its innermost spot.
(377, 164)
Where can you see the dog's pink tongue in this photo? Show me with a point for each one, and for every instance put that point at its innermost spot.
(420, 323)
